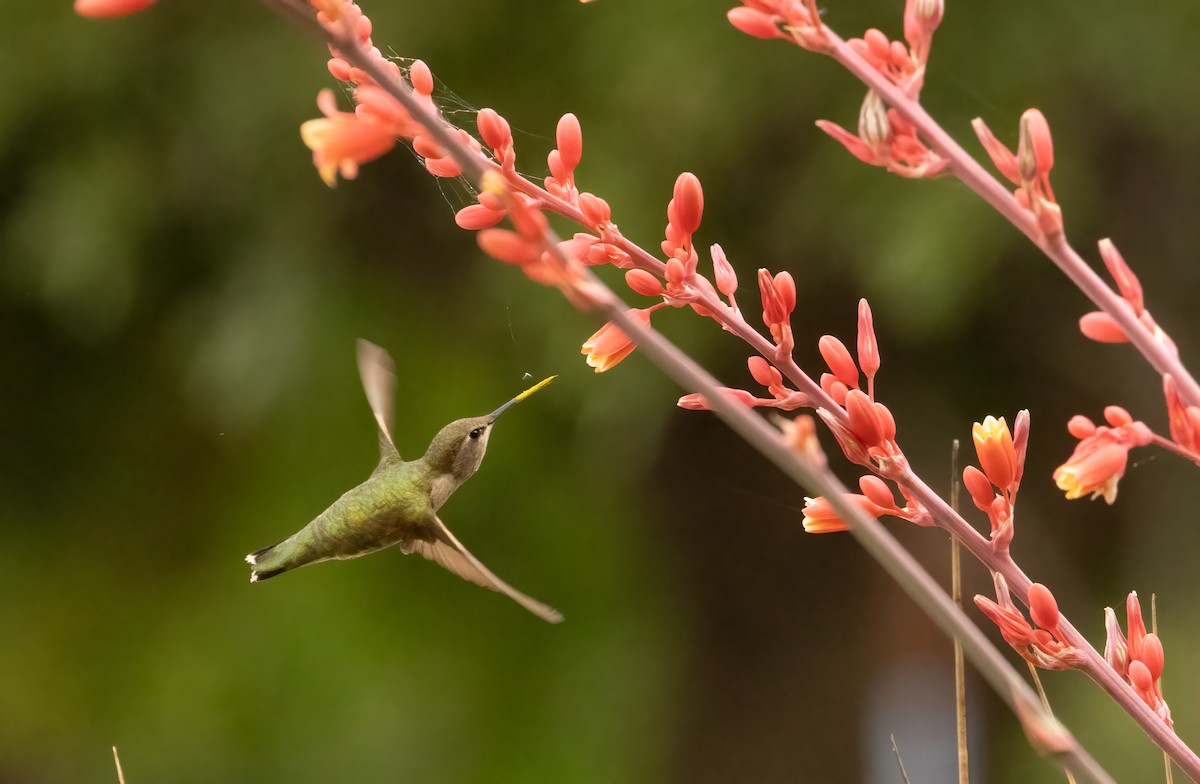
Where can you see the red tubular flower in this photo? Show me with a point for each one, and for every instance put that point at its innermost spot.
(595, 211)
(493, 129)
(474, 217)
(445, 167)
(834, 388)
(785, 288)
(1152, 655)
(1081, 427)
(101, 9)
(427, 147)
(690, 198)
(1116, 649)
(1029, 168)
(1100, 327)
(1093, 469)
(887, 140)
(979, 488)
(340, 69)
(1184, 419)
(853, 144)
(526, 216)
(375, 103)
(341, 141)
(508, 246)
(1117, 416)
(697, 402)
(752, 21)
(1043, 608)
(877, 490)
(820, 517)
(800, 434)
(873, 125)
(1135, 624)
(997, 457)
(1002, 158)
(837, 356)
(1038, 644)
(798, 22)
(1035, 151)
(723, 272)
(864, 419)
(902, 65)
(868, 346)
(772, 307)
(644, 283)
(609, 345)
(763, 372)
(1015, 630)
(921, 19)
(1127, 283)
(779, 300)
(1099, 460)
(1139, 660)
(569, 137)
(1020, 445)
(886, 421)
(421, 78)
(1139, 677)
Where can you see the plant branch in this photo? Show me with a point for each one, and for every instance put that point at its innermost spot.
(766, 439)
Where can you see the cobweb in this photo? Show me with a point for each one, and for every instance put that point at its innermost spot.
(457, 192)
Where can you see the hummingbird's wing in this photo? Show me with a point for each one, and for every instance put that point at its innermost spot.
(378, 374)
(448, 552)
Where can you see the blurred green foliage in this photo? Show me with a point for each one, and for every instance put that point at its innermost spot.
(179, 296)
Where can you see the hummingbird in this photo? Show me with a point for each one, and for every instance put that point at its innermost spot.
(398, 504)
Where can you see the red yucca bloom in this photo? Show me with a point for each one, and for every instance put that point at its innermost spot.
(1039, 643)
(993, 489)
(876, 500)
(609, 345)
(1139, 658)
(1099, 460)
(887, 140)
(98, 9)
(1028, 168)
(340, 141)
(796, 20)
(997, 456)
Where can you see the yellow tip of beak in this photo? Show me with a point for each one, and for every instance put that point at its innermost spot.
(544, 382)
(521, 397)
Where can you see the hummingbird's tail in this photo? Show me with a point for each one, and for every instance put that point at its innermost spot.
(267, 563)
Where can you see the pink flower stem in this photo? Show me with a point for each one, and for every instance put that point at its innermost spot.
(1171, 446)
(1056, 248)
(869, 532)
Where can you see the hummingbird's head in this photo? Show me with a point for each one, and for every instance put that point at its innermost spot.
(458, 448)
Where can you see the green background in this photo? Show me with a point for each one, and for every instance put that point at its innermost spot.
(179, 296)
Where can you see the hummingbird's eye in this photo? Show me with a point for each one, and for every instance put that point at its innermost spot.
(475, 433)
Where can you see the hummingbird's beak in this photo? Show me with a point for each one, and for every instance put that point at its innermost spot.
(492, 416)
